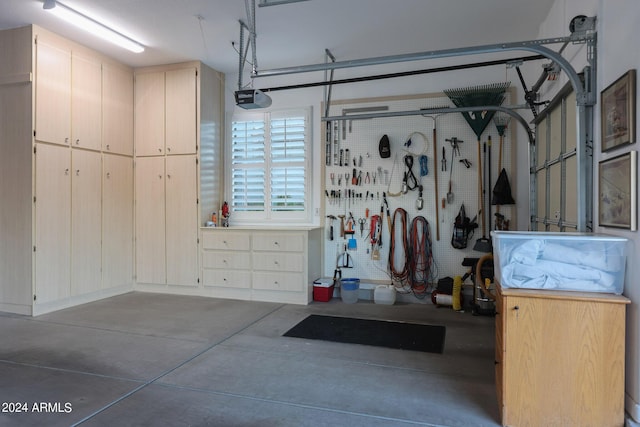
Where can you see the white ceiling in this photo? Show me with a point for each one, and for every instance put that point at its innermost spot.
(290, 34)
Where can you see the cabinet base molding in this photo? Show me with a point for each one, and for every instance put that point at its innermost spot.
(49, 307)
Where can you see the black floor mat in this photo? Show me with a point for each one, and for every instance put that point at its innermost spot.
(399, 335)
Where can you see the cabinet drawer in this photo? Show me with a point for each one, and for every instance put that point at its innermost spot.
(225, 241)
(226, 260)
(278, 242)
(278, 281)
(227, 278)
(279, 262)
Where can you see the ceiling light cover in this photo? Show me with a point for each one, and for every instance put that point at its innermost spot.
(92, 26)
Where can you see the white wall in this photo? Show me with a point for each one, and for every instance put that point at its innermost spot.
(616, 53)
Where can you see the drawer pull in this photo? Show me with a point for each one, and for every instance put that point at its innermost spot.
(224, 279)
(276, 243)
(275, 262)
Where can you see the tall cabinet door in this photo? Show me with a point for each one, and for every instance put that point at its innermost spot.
(86, 218)
(117, 221)
(86, 102)
(150, 220)
(149, 113)
(117, 112)
(181, 127)
(53, 94)
(182, 220)
(52, 223)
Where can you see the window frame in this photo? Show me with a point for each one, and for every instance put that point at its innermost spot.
(268, 215)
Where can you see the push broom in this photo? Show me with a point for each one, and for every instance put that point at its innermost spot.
(478, 96)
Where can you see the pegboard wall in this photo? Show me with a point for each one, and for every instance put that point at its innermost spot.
(354, 149)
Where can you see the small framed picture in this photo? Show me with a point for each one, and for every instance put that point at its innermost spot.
(618, 112)
(618, 180)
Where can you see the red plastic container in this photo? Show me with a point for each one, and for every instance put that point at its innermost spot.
(323, 290)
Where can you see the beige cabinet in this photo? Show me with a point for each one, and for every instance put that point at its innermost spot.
(150, 220)
(166, 112)
(180, 111)
(182, 216)
(560, 358)
(277, 265)
(226, 262)
(117, 109)
(86, 221)
(149, 114)
(117, 221)
(167, 220)
(52, 200)
(86, 101)
(56, 251)
(68, 96)
(53, 93)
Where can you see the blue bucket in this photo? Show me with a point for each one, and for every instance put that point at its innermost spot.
(350, 284)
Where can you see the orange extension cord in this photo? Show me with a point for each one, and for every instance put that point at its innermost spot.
(416, 251)
(421, 259)
(396, 274)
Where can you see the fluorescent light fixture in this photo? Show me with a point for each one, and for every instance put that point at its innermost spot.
(92, 26)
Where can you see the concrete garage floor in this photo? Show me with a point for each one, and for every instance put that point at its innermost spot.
(159, 360)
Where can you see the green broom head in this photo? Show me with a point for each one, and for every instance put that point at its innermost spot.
(501, 120)
(478, 96)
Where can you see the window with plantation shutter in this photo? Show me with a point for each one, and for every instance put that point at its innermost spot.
(269, 159)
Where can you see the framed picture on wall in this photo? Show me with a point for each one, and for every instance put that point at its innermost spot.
(618, 112)
(618, 180)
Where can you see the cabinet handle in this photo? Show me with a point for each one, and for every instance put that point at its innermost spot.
(108, 147)
(78, 141)
(168, 176)
(160, 176)
(224, 241)
(276, 243)
(160, 150)
(224, 261)
(169, 149)
(224, 279)
(275, 262)
(77, 172)
(108, 175)
(66, 171)
(66, 140)
(516, 307)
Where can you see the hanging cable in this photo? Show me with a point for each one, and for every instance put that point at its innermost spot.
(409, 182)
(421, 259)
(399, 275)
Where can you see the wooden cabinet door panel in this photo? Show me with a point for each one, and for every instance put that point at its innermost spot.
(149, 114)
(182, 220)
(117, 113)
(52, 223)
(181, 116)
(86, 221)
(53, 94)
(117, 221)
(150, 220)
(86, 102)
